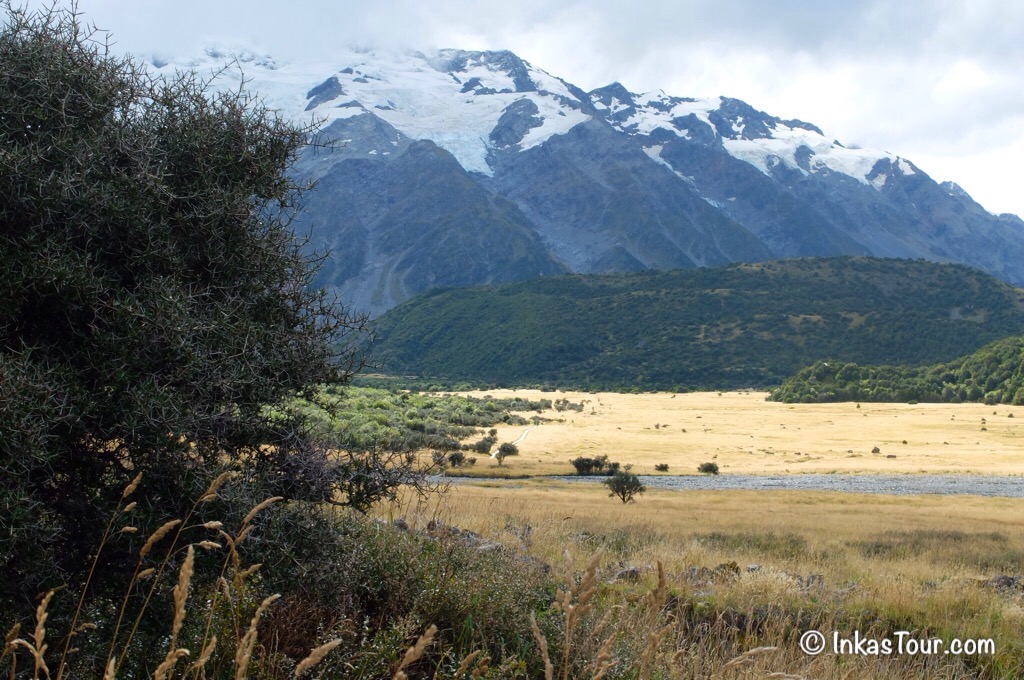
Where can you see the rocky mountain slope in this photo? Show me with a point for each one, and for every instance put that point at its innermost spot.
(458, 168)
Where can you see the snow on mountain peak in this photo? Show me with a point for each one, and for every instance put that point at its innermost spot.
(474, 103)
(764, 141)
(453, 98)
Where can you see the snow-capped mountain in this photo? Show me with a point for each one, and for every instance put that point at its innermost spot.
(459, 168)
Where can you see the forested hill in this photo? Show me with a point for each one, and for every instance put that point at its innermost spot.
(743, 325)
(993, 375)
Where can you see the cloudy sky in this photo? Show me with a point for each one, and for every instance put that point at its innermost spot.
(940, 82)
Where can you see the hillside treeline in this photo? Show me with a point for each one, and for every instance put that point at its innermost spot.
(747, 325)
(993, 375)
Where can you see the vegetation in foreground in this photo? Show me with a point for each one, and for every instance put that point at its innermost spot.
(748, 570)
(153, 301)
(542, 581)
(731, 327)
(992, 375)
(337, 590)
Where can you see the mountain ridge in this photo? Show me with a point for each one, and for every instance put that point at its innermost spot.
(588, 182)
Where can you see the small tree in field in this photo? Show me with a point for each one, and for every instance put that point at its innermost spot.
(708, 468)
(505, 450)
(483, 446)
(625, 485)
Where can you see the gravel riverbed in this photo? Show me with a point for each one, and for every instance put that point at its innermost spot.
(896, 485)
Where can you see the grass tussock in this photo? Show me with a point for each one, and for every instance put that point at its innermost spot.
(723, 585)
(109, 646)
(538, 582)
(371, 601)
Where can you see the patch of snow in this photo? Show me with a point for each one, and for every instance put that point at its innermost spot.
(407, 92)
(650, 115)
(488, 78)
(654, 153)
(656, 111)
(906, 168)
(546, 82)
(782, 147)
(617, 106)
(758, 153)
(556, 121)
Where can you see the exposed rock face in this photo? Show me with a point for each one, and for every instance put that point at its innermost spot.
(404, 221)
(459, 168)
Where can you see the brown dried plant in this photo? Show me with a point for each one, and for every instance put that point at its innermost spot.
(414, 653)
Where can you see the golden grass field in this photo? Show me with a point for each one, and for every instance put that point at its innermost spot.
(968, 536)
(743, 433)
(886, 563)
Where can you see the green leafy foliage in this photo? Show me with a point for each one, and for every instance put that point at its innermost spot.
(626, 486)
(737, 326)
(596, 466)
(993, 375)
(506, 450)
(153, 297)
(355, 418)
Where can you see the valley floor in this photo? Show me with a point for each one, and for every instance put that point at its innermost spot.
(744, 434)
(760, 569)
(748, 573)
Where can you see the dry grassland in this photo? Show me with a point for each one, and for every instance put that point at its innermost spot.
(761, 567)
(800, 560)
(849, 536)
(743, 433)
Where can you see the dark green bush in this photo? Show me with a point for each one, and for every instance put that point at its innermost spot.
(625, 485)
(589, 466)
(484, 446)
(506, 450)
(597, 466)
(154, 302)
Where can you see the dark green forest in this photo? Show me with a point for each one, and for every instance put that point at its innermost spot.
(993, 375)
(743, 325)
